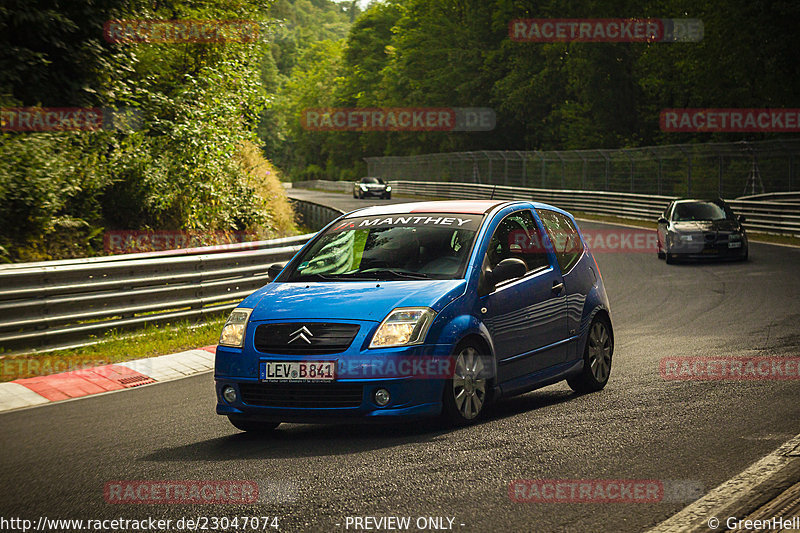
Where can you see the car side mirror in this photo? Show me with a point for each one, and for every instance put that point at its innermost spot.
(662, 220)
(274, 270)
(742, 219)
(507, 269)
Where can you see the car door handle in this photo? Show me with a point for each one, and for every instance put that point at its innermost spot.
(557, 286)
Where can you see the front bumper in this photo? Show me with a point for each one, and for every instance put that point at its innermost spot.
(415, 390)
(708, 249)
(374, 192)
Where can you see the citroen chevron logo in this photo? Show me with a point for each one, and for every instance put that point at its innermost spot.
(302, 333)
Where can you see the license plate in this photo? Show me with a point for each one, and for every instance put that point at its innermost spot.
(737, 244)
(298, 371)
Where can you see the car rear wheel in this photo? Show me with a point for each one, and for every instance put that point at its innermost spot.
(466, 393)
(253, 426)
(596, 359)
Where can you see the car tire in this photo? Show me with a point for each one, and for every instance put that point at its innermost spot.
(355, 195)
(466, 393)
(661, 255)
(388, 196)
(253, 426)
(669, 258)
(597, 357)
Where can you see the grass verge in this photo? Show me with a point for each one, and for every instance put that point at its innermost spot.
(114, 347)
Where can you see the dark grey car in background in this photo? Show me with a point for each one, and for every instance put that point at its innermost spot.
(701, 229)
(367, 187)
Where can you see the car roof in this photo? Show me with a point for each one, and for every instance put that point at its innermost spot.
(466, 207)
(703, 200)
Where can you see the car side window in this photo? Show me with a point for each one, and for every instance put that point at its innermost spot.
(564, 236)
(517, 236)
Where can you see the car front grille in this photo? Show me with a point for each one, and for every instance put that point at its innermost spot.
(302, 395)
(297, 338)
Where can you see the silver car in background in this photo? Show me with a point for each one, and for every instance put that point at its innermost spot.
(372, 187)
(701, 229)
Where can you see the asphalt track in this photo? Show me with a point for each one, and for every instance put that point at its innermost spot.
(56, 459)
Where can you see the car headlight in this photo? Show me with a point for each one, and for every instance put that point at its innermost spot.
(404, 326)
(233, 331)
(363, 187)
(388, 188)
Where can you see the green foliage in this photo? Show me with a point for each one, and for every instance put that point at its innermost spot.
(178, 170)
(457, 53)
(306, 31)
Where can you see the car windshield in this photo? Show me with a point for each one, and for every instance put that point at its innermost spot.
(688, 211)
(389, 247)
(370, 180)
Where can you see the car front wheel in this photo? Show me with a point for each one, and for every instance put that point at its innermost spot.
(466, 392)
(596, 359)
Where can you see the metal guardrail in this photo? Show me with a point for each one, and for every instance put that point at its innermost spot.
(73, 302)
(46, 307)
(325, 185)
(793, 197)
(312, 215)
(59, 304)
(767, 216)
(215, 249)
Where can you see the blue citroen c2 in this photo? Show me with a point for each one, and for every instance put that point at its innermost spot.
(419, 309)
